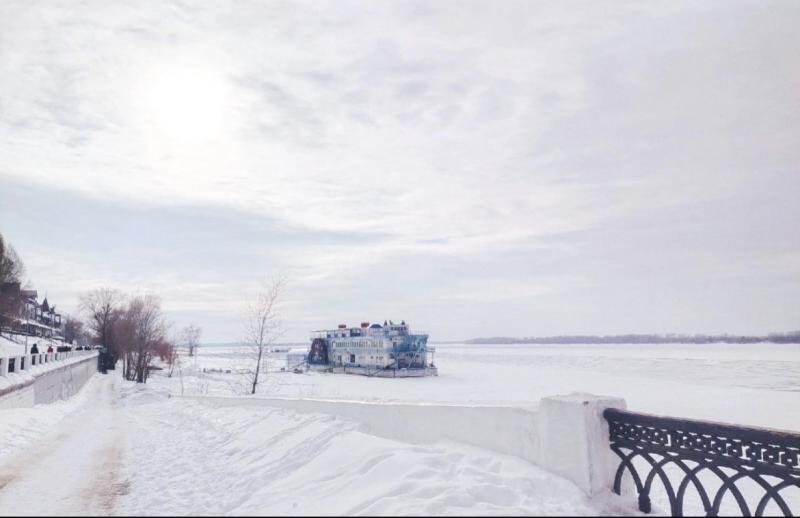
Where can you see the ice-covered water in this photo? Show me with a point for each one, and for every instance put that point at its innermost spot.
(756, 384)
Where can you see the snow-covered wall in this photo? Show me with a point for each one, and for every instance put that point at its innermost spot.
(43, 381)
(64, 382)
(20, 396)
(564, 434)
(576, 440)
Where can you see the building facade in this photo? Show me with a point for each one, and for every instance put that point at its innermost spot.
(22, 313)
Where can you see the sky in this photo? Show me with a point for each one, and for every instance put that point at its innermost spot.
(476, 168)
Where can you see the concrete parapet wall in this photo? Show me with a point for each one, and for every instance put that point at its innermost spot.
(64, 382)
(59, 377)
(508, 430)
(566, 435)
(576, 440)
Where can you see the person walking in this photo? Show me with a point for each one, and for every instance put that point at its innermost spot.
(49, 348)
(35, 349)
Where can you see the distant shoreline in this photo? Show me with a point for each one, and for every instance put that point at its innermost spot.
(777, 338)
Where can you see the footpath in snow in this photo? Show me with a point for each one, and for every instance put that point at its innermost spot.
(121, 448)
(68, 454)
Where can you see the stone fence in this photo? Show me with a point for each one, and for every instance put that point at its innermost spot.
(30, 379)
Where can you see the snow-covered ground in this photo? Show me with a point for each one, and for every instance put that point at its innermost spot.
(119, 448)
(9, 347)
(122, 448)
(750, 384)
(17, 346)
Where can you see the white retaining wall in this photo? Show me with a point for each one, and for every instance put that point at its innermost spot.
(566, 435)
(20, 397)
(45, 382)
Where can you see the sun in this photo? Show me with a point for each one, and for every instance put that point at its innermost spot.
(187, 104)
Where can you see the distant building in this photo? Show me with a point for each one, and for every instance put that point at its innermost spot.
(22, 313)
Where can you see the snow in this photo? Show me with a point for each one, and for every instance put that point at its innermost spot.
(71, 454)
(16, 347)
(262, 460)
(9, 347)
(21, 427)
(122, 448)
(723, 382)
(133, 449)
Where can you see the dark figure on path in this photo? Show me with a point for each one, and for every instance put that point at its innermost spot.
(49, 348)
(35, 349)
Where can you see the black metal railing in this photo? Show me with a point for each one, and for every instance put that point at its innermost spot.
(758, 468)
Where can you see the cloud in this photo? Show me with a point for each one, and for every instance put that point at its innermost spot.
(433, 132)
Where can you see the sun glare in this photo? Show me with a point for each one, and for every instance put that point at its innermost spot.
(187, 104)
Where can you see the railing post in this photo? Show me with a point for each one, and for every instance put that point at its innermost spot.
(3, 367)
(574, 439)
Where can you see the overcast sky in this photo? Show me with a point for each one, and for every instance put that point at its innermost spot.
(475, 168)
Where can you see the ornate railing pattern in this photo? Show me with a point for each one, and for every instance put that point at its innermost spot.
(680, 452)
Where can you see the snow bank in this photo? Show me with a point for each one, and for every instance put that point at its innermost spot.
(566, 434)
(9, 347)
(236, 457)
(21, 427)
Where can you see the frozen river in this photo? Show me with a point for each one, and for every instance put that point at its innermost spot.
(756, 384)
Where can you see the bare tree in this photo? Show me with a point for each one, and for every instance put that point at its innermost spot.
(11, 304)
(175, 361)
(173, 357)
(73, 330)
(11, 266)
(11, 271)
(146, 333)
(263, 325)
(103, 307)
(190, 338)
(124, 342)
